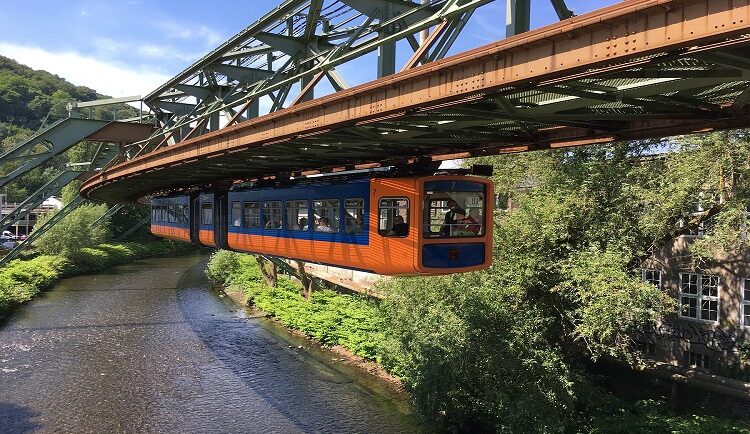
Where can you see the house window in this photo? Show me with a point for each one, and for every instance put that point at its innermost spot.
(746, 302)
(699, 296)
(698, 360)
(646, 348)
(651, 276)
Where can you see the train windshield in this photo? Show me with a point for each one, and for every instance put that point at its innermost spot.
(454, 209)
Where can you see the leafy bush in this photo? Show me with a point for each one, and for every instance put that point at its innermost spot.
(222, 263)
(651, 416)
(74, 232)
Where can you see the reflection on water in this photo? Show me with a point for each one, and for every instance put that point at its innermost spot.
(148, 347)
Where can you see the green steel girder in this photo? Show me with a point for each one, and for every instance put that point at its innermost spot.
(57, 138)
(561, 9)
(518, 17)
(42, 229)
(51, 188)
(308, 38)
(114, 209)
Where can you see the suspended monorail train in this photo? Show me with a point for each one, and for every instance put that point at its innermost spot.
(418, 225)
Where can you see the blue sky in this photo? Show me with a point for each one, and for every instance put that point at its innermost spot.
(132, 46)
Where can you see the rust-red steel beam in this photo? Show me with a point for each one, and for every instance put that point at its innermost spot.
(600, 41)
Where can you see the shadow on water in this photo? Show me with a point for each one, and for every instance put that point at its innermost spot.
(17, 420)
(297, 383)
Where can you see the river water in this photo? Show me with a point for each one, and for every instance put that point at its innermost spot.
(148, 347)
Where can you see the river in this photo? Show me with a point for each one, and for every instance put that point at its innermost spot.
(149, 347)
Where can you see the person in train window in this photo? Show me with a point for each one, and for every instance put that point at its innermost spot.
(354, 226)
(302, 224)
(452, 217)
(399, 228)
(273, 224)
(324, 225)
(470, 223)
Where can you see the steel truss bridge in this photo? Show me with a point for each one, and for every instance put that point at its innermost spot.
(637, 69)
(248, 110)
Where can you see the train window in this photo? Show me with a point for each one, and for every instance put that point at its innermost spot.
(326, 215)
(251, 214)
(184, 214)
(297, 215)
(170, 213)
(162, 213)
(454, 214)
(393, 217)
(154, 212)
(207, 213)
(236, 216)
(354, 215)
(272, 214)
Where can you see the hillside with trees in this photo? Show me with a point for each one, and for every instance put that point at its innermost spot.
(32, 99)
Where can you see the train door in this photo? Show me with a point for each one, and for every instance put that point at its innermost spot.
(194, 218)
(393, 225)
(221, 219)
(206, 219)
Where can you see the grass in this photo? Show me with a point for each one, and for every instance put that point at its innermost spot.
(22, 279)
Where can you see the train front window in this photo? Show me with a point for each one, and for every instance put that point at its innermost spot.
(170, 215)
(450, 213)
(236, 216)
(272, 214)
(393, 217)
(326, 215)
(354, 215)
(251, 215)
(297, 218)
(207, 213)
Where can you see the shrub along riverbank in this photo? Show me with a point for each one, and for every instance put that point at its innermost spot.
(21, 280)
(444, 367)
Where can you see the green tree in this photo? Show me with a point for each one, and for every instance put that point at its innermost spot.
(74, 232)
(562, 289)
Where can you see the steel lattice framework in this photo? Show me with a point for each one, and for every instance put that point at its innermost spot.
(278, 61)
(638, 69)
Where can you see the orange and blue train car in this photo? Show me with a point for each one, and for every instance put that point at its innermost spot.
(391, 226)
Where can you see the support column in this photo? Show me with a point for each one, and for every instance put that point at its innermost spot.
(517, 17)
(386, 57)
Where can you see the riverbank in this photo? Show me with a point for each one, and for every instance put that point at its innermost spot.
(359, 329)
(350, 326)
(23, 279)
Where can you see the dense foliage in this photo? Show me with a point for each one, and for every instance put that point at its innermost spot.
(74, 232)
(351, 321)
(562, 289)
(21, 280)
(507, 379)
(505, 349)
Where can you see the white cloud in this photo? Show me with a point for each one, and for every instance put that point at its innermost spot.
(165, 53)
(106, 78)
(177, 30)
